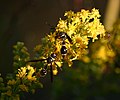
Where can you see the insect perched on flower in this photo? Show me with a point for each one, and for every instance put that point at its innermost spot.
(69, 40)
(63, 36)
(49, 66)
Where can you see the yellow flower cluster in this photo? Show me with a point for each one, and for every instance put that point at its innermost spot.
(102, 53)
(80, 27)
(77, 29)
(82, 24)
(27, 73)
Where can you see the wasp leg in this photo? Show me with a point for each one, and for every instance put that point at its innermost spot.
(58, 66)
(51, 73)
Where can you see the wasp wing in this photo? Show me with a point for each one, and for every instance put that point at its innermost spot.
(37, 60)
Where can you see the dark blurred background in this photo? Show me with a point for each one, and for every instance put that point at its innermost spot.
(27, 21)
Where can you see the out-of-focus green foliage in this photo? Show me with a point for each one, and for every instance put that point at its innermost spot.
(15, 85)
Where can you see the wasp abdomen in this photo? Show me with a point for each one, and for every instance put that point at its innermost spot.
(43, 72)
(63, 50)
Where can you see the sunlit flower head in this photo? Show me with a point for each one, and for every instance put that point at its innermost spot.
(77, 29)
(21, 72)
(26, 72)
(80, 27)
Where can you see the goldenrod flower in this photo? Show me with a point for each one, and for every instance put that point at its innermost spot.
(11, 82)
(23, 87)
(80, 27)
(86, 59)
(21, 72)
(26, 72)
(37, 48)
(104, 54)
(30, 73)
(84, 15)
(101, 53)
(9, 93)
(55, 72)
(62, 26)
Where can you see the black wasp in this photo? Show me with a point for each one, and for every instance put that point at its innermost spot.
(63, 36)
(49, 60)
